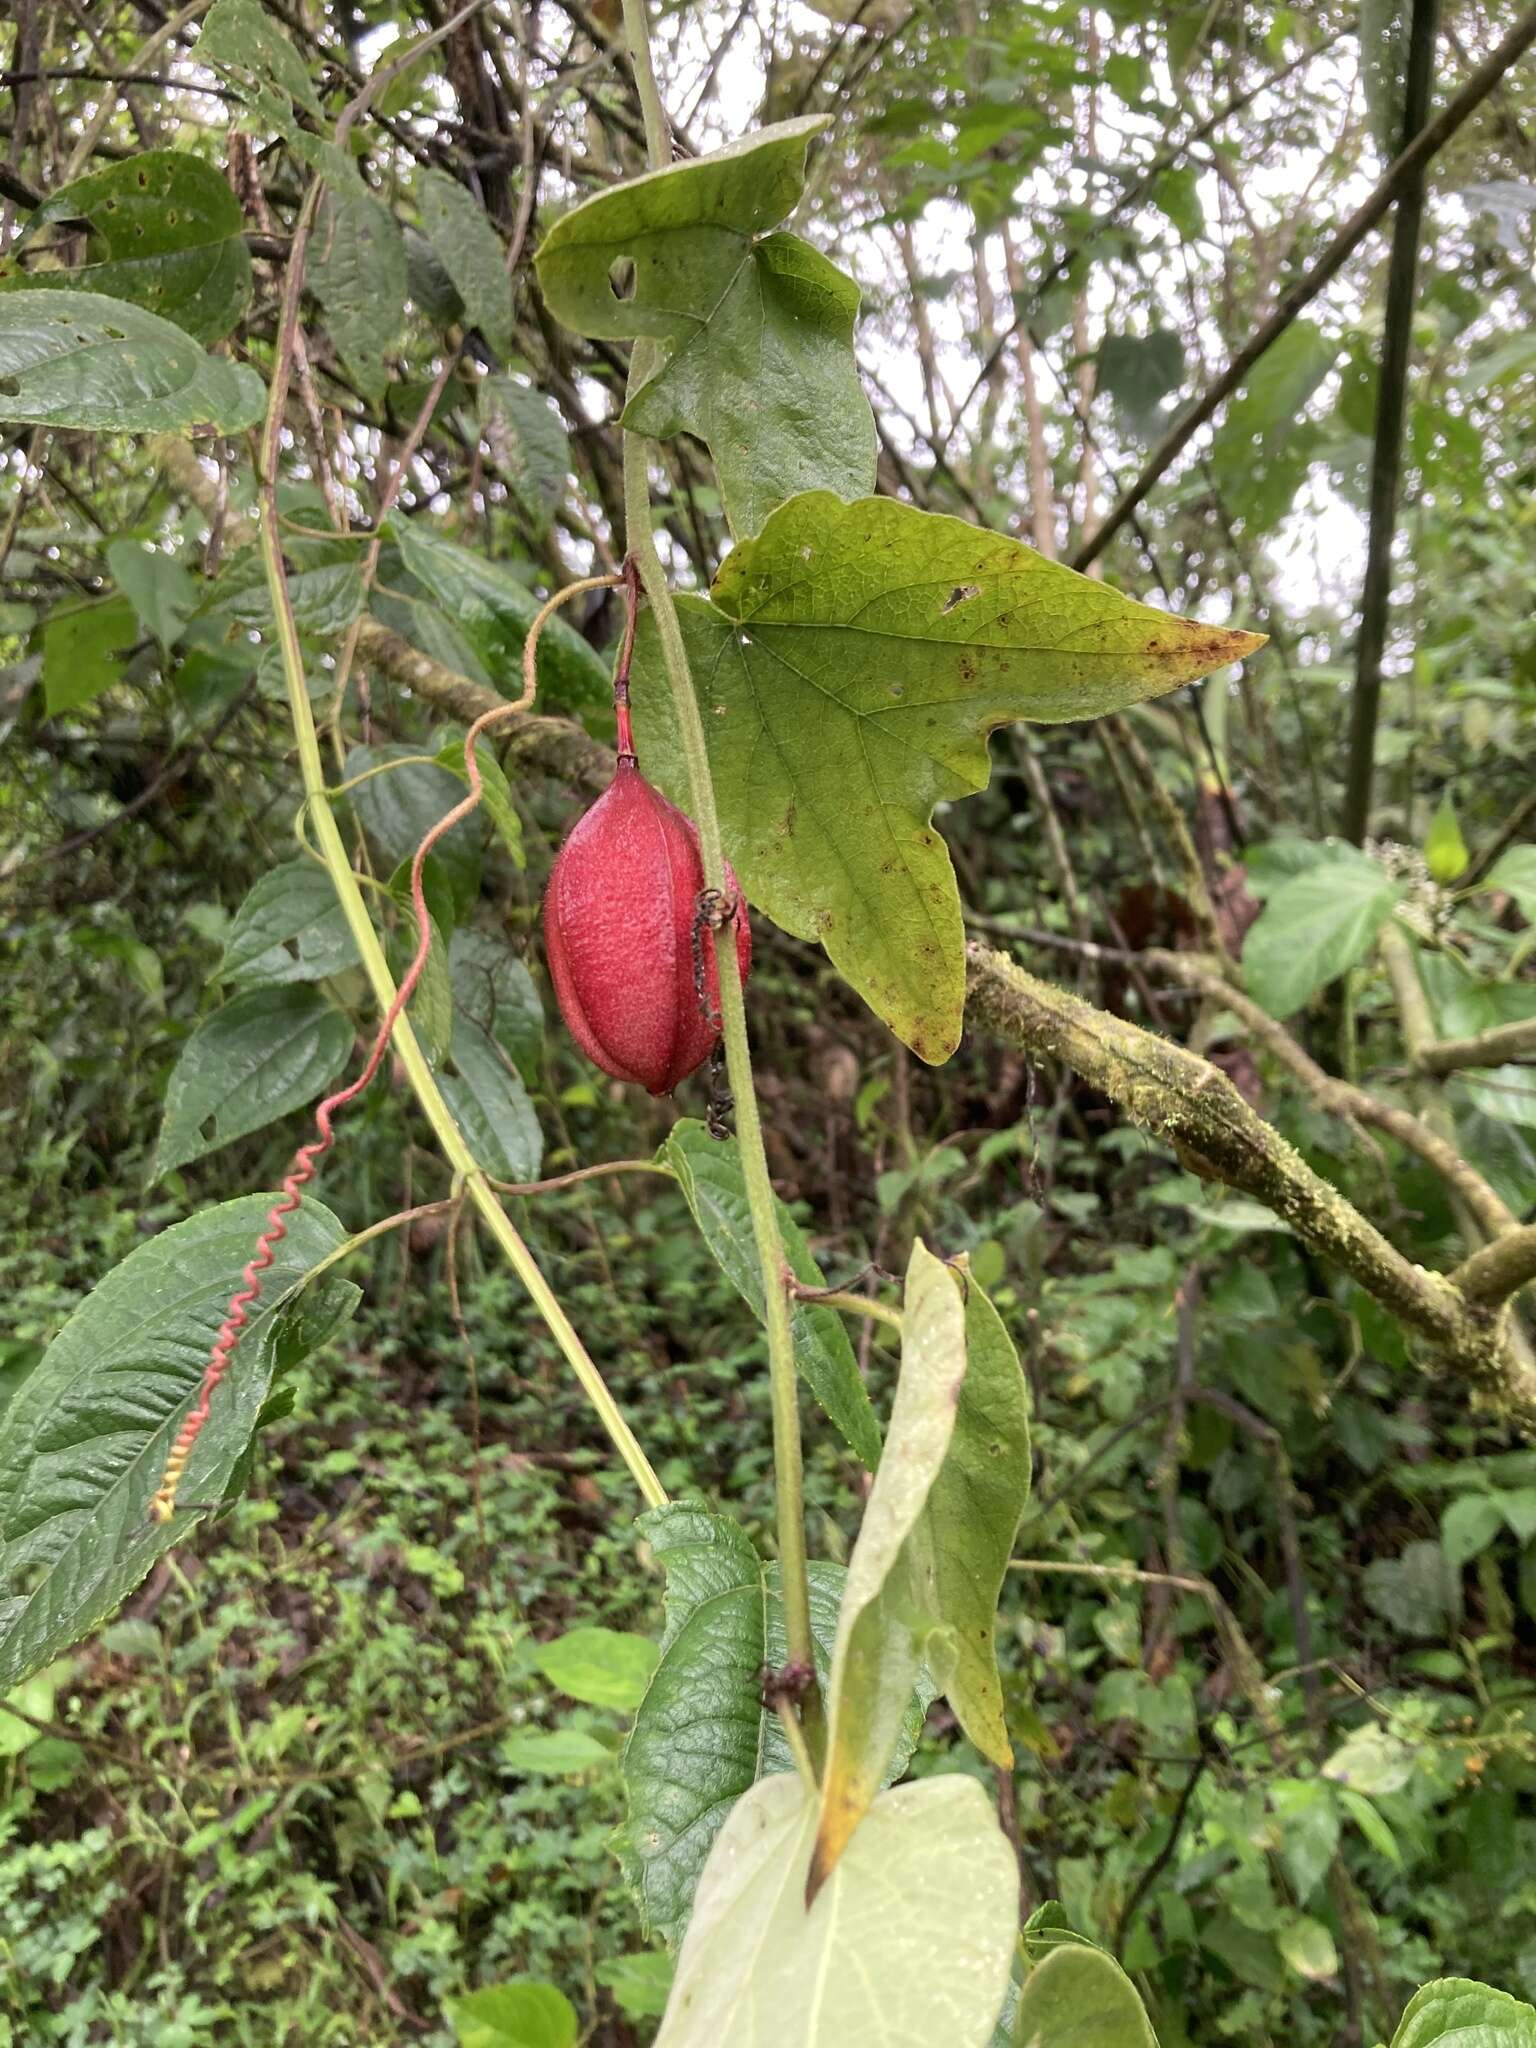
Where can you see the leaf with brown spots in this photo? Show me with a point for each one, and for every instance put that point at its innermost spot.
(850, 664)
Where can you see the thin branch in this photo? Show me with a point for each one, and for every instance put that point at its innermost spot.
(1425, 144)
(1500, 1045)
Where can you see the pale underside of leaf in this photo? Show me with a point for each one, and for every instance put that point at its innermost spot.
(907, 1945)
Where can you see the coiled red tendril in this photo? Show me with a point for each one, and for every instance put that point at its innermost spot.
(306, 1160)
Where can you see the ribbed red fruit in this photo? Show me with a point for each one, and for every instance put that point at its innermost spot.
(618, 927)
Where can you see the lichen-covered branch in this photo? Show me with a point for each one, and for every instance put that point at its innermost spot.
(1341, 1098)
(1192, 1106)
(1500, 1269)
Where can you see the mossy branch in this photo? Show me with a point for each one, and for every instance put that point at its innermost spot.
(1190, 1105)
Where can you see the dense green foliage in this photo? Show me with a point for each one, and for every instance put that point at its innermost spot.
(350, 1765)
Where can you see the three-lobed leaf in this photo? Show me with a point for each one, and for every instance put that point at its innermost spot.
(909, 1940)
(710, 1175)
(87, 1433)
(850, 664)
(78, 359)
(758, 327)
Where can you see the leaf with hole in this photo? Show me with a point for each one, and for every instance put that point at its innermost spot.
(757, 327)
(289, 928)
(709, 1172)
(909, 1940)
(165, 232)
(849, 666)
(86, 1436)
(263, 1055)
(702, 1736)
(80, 360)
(471, 253)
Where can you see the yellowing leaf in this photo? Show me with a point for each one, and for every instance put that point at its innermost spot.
(850, 665)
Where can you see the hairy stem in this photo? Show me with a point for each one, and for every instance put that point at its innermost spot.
(789, 1483)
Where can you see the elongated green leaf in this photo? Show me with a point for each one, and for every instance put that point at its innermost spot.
(521, 2014)
(264, 1054)
(850, 666)
(1081, 1998)
(357, 272)
(86, 1435)
(487, 1097)
(495, 795)
(606, 1667)
(909, 1940)
(702, 1736)
(1455, 2012)
(494, 989)
(471, 252)
(166, 233)
(1313, 928)
(83, 652)
(493, 610)
(258, 55)
(289, 928)
(528, 439)
(397, 808)
(887, 1629)
(100, 365)
(709, 1173)
(973, 1516)
(758, 327)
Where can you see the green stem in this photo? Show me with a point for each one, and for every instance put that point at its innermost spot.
(789, 1479)
(332, 851)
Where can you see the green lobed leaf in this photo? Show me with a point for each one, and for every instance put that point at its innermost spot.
(472, 254)
(520, 2014)
(262, 1055)
(357, 272)
(702, 1736)
(887, 1629)
(488, 605)
(710, 1175)
(289, 928)
(166, 233)
(97, 364)
(1078, 1997)
(86, 1435)
(1314, 928)
(758, 327)
(1455, 2012)
(973, 1515)
(909, 1940)
(83, 652)
(850, 665)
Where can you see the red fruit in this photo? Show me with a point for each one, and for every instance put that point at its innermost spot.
(619, 931)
